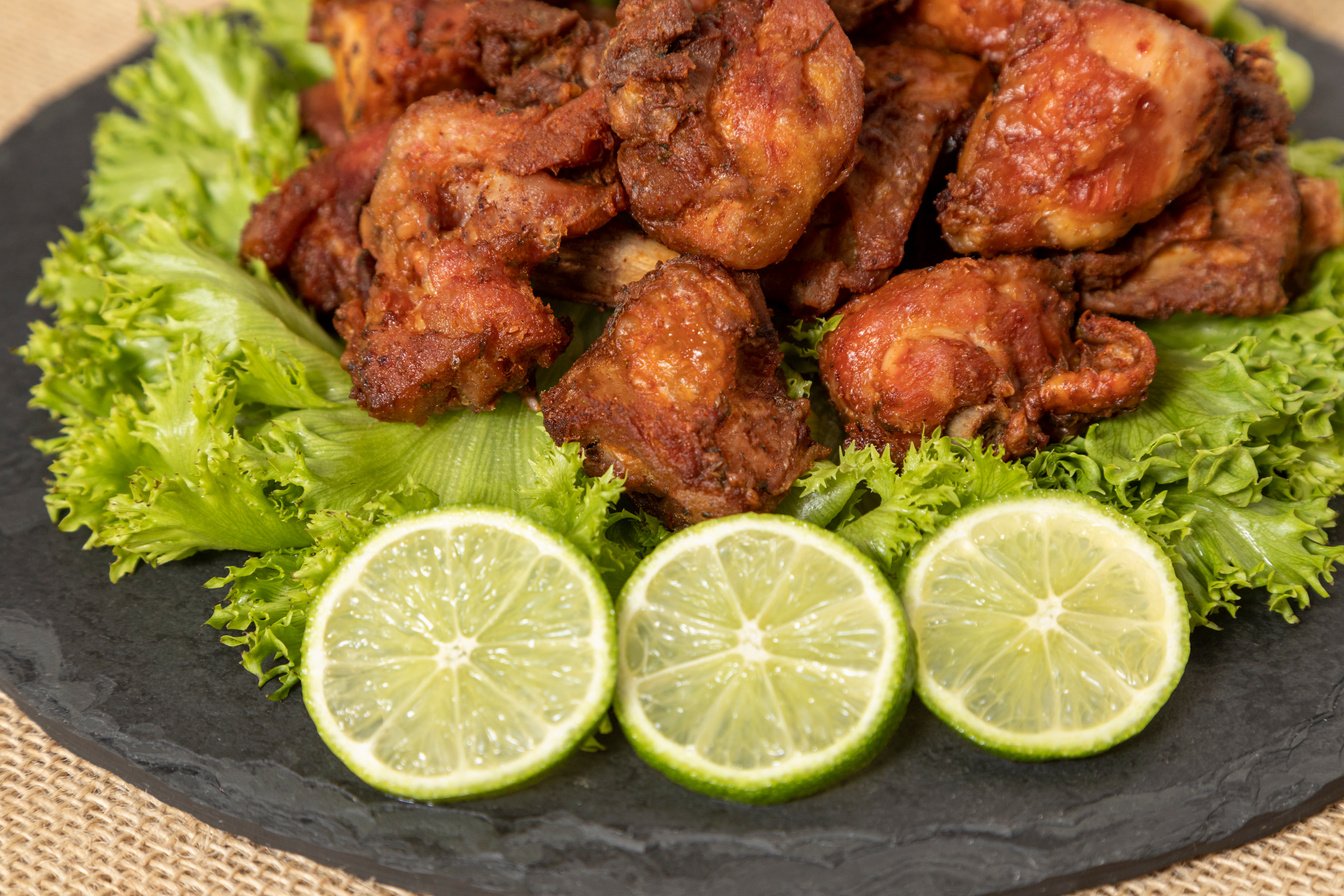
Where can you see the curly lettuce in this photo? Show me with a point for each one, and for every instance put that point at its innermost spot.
(200, 408)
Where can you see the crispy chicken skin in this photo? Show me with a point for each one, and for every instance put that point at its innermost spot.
(984, 28)
(307, 230)
(682, 396)
(915, 100)
(455, 226)
(736, 118)
(535, 53)
(1233, 243)
(1226, 247)
(980, 348)
(1105, 113)
(390, 53)
(1322, 219)
(980, 28)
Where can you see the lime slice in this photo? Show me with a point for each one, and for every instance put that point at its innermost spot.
(1048, 626)
(761, 658)
(458, 653)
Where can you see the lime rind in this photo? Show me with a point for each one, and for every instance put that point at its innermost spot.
(560, 650)
(1128, 692)
(698, 612)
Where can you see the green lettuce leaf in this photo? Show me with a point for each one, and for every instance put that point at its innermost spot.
(209, 131)
(885, 510)
(202, 408)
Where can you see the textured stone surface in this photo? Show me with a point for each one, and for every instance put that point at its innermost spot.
(129, 677)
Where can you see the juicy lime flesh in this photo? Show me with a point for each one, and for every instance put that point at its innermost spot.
(453, 652)
(752, 651)
(1051, 623)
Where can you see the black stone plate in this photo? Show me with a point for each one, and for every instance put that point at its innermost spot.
(129, 678)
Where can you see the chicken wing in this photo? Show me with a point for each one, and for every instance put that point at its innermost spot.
(736, 118)
(451, 319)
(390, 53)
(1105, 113)
(682, 397)
(915, 100)
(980, 348)
(307, 230)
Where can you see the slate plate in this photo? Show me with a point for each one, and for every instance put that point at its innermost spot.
(128, 677)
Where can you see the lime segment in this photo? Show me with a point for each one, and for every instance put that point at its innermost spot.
(1048, 626)
(761, 658)
(458, 653)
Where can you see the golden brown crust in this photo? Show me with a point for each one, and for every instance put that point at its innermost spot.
(307, 229)
(533, 53)
(1226, 247)
(915, 100)
(979, 348)
(736, 119)
(1105, 113)
(1322, 220)
(451, 319)
(980, 28)
(682, 397)
(389, 53)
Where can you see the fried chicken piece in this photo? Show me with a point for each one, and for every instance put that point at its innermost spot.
(1226, 247)
(984, 28)
(980, 28)
(980, 348)
(916, 100)
(307, 230)
(1322, 219)
(534, 53)
(593, 269)
(455, 228)
(682, 397)
(1235, 242)
(1105, 113)
(1261, 116)
(736, 118)
(390, 53)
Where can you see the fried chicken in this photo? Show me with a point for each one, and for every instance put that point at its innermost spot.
(1226, 247)
(455, 226)
(1105, 112)
(984, 28)
(980, 348)
(532, 53)
(682, 397)
(1233, 243)
(980, 28)
(915, 100)
(389, 53)
(736, 118)
(307, 230)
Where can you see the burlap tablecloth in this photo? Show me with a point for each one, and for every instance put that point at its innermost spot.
(68, 828)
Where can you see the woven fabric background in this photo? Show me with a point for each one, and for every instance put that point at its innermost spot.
(68, 828)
